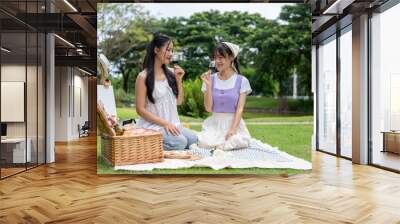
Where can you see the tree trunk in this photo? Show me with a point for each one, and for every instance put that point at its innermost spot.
(282, 101)
(125, 78)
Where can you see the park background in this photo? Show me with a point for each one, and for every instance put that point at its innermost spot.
(275, 41)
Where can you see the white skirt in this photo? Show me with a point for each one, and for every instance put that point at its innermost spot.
(216, 127)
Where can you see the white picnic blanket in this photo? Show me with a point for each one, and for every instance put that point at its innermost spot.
(257, 155)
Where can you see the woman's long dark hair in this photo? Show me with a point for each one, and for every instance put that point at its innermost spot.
(224, 50)
(159, 40)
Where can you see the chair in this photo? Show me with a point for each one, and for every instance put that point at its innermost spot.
(84, 130)
(129, 121)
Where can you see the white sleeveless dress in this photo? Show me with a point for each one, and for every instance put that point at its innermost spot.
(165, 106)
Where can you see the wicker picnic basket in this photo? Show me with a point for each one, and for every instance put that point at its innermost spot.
(135, 146)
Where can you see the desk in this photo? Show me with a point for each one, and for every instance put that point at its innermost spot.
(391, 141)
(16, 148)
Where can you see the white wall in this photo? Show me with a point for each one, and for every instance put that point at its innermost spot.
(16, 73)
(12, 73)
(71, 87)
(61, 104)
(80, 94)
(33, 126)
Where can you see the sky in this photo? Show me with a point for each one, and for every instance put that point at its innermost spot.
(165, 10)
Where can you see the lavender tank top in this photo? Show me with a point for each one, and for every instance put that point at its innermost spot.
(226, 100)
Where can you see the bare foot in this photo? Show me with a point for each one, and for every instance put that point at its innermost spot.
(194, 157)
(177, 155)
(180, 155)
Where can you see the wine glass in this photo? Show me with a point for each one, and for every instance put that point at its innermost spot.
(175, 59)
(212, 67)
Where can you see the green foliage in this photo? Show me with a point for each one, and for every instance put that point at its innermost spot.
(123, 99)
(197, 36)
(294, 105)
(124, 31)
(304, 106)
(299, 20)
(272, 50)
(116, 82)
(128, 100)
(285, 47)
(262, 84)
(193, 104)
(119, 95)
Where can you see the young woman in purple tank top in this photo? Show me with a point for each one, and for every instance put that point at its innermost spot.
(225, 96)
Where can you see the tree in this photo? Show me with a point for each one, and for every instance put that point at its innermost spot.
(271, 50)
(298, 19)
(284, 47)
(198, 35)
(275, 56)
(125, 31)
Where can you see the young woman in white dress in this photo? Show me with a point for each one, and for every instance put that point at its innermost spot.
(225, 95)
(158, 92)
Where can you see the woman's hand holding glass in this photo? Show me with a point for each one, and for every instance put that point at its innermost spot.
(206, 77)
(179, 73)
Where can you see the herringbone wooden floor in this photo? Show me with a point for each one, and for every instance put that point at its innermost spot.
(70, 191)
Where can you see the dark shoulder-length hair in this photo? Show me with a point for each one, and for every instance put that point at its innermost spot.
(223, 50)
(159, 41)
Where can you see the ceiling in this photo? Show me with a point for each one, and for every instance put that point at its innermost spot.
(329, 15)
(74, 22)
(202, 1)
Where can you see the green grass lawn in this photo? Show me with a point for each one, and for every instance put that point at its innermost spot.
(127, 113)
(252, 102)
(261, 102)
(266, 117)
(270, 103)
(293, 139)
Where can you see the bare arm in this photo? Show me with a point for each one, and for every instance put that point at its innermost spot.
(179, 73)
(238, 115)
(208, 101)
(180, 92)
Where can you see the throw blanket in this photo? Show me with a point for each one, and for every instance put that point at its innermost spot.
(257, 155)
